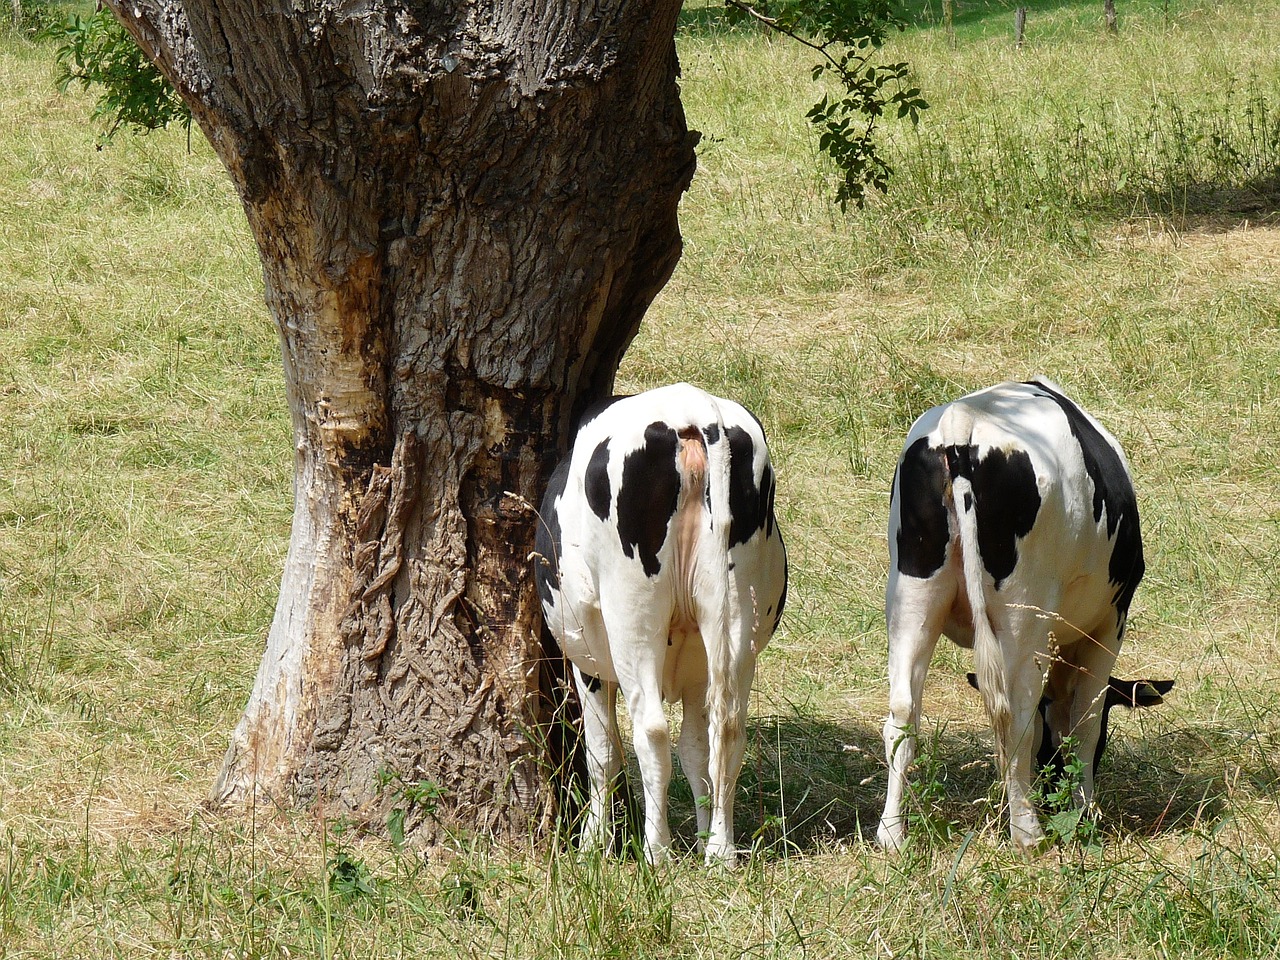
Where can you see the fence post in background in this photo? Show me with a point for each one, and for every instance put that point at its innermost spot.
(949, 19)
(1020, 24)
(1109, 7)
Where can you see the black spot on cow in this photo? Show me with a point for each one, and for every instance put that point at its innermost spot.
(769, 486)
(748, 503)
(595, 481)
(547, 539)
(711, 435)
(782, 598)
(649, 495)
(1112, 491)
(593, 683)
(923, 532)
(1006, 499)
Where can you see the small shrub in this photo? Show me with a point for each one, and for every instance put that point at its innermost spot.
(1064, 820)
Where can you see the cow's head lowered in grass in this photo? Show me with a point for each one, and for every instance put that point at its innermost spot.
(662, 574)
(1013, 529)
(1119, 693)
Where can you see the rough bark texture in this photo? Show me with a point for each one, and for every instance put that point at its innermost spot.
(463, 211)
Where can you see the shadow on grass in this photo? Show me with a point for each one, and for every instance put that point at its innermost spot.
(712, 18)
(981, 13)
(1204, 208)
(807, 783)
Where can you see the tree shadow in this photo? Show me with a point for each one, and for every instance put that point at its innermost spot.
(808, 782)
(1202, 208)
(978, 13)
(714, 19)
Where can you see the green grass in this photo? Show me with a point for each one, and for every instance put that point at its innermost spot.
(1071, 208)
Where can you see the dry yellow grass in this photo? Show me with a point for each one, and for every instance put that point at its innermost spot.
(144, 506)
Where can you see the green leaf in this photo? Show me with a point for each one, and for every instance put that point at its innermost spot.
(395, 826)
(1064, 823)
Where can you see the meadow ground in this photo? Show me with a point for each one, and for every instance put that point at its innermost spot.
(1102, 210)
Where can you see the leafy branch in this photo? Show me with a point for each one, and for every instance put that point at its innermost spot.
(97, 50)
(846, 34)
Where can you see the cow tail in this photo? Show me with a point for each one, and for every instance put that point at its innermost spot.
(988, 659)
(723, 659)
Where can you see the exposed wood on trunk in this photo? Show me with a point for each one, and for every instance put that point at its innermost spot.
(463, 213)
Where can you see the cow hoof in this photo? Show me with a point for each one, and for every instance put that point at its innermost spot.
(891, 838)
(722, 855)
(656, 854)
(1031, 846)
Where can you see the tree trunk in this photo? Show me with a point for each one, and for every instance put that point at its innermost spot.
(463, 212)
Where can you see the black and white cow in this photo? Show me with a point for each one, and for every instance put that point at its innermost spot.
(1013, 529)
(663, 574)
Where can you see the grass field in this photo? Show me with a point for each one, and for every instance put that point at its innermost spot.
(1104, 210)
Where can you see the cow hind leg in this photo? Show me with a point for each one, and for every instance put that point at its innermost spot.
(604, 756)
(1094, 658)
(653, 752)
(694, 750)
(639, 649)
(913, 635)
(1016, 734)
(1024, 649)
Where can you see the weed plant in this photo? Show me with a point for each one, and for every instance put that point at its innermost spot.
(1098, 209)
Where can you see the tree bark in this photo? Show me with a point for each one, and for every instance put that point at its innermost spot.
(463, 212)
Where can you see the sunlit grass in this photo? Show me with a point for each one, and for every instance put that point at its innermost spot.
(145, 498)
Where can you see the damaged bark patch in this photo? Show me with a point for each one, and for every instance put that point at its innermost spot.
(430, 692)
(382, 518)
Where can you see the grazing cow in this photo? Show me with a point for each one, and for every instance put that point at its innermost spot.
(662, 574)
(1120, 693)
(1013, 529)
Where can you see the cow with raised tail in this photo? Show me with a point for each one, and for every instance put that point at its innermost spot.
(662, 574)
(1013, 529)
